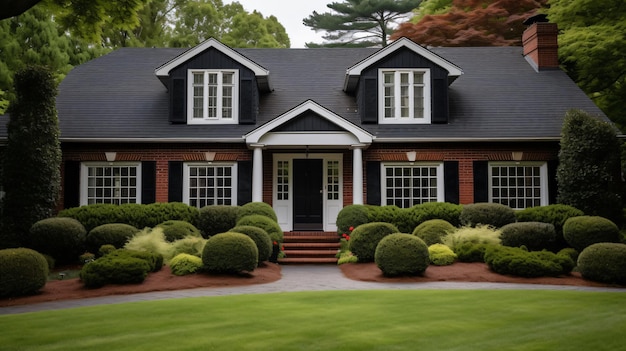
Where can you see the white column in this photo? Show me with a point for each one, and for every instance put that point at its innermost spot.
(357, 174)
(257, 173)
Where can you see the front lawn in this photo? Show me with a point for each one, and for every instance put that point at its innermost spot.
(344, 320)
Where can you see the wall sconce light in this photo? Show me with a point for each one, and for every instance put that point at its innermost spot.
(411, 156)
(110, 156)
(517, 155)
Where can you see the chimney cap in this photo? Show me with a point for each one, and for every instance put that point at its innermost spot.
(542, 17)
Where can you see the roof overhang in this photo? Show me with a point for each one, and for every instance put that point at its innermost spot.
(353, 73)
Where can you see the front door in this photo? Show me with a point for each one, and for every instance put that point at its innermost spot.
(307, 194)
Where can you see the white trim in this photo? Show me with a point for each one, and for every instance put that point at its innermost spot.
(84, 186)
(219, 119)
(397, 119)
(440, 178)
(543, 174)
(233, 176)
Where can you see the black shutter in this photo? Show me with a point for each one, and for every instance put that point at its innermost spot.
(553, 186)
(247, 102)
(178, 101)
(440, 101)
(481, 181)
(369, 101)
(148, 182)
(71, 184)
(244, 182)
(451, 181)
(373, 183)
(175, 181)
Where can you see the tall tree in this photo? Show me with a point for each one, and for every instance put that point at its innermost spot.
(469, 22)
(362, 23)
(591, 50)
(32, 157)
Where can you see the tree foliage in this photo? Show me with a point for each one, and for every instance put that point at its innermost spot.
(362, 23)
(588, 175)
(469, 22)
(32, 156)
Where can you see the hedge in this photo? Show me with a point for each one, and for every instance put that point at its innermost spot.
(61, 238)
(519, 262)
(116, 234)
(351, 216)
(432, 230)
(583, 231)
(401, 254)
(175, 230)
(365, 238)
(214, 219)
(493, 214)
(536, 236)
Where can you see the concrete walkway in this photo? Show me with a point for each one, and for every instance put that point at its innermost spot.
(294, 278)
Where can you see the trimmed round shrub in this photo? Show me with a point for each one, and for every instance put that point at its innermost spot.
(271, 227)
(481, 234)
(603, 262)
(257, 208)
(114, 270)
(230, 253)
(351, 216)
(61, 238)
(22, 272)
(441, 255)
(582, 231)
(116, 234)
(519, 262)
(436, 210)
(216, 219)
(184, 264)
(261, 239)
(536, 236)
(175, 230)
(555, 214)
(493, 214)
(401, 254)
(432, 230)
(365, 238)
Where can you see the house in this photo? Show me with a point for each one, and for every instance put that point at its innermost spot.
(310, 131)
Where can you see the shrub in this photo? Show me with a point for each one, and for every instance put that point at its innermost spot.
(402, 220)
(603, 262)
(570, 252)
(191, 245)
(401, 254)
(114, 270)
(183, 264)
(257, 208)
(175, 230)
(116, 234)
(271, 227)
(106, 249)
(351, 216)
(260, 237)
(441, 255)
(555, 214)
(150, 240)
(536, 236)
(481, 234)
(519, 262)
(471, 252)
(436, 210)
(92, 216)
(347, 257)
(493, 214)
(365, 238)
(583, 231)
(154, 260)
(22, 272)
(216, 219)
(230, 253)
(432, 230)
(61, 238)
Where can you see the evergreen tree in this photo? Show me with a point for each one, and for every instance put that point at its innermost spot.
(32, 157)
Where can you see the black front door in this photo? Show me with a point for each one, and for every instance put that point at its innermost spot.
(307, 199)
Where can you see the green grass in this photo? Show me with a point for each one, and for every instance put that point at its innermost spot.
(354, 320)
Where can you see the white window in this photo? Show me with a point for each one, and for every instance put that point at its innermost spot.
(210, 184)
(518, 185)
(404, 96)
(110, 183)
(213, 96)
(406, 185)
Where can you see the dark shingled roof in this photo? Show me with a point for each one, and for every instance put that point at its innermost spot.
(499, 96)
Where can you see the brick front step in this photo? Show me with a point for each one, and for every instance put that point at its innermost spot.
(310, 247)
(307, 260)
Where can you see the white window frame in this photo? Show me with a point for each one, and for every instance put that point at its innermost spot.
(187, 184)
(543, 186)
(84, 178)
(219, 119)
(440, 179)
(397, 119)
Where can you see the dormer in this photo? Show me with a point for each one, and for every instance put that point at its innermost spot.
(403, 83)
(213, 84)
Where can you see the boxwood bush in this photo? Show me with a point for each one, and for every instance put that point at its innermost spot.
(184, 264)
(114, 270)
(190, 245)
(214, 219)
(61, 238)
(401, 254)
(175, 230)
(432, 230)
(582, 231)
(536, 236)
(493, 214)
(116, 234)
(555, 214)
(519, 262)
(230, 253)
(270, 226)
(471, 252)
(603, 262)
(154, 260)
(261, 239)
(441, 255)
(22, 272)
(436, 210)
(366, 237)
(257, 208)
(351, 216)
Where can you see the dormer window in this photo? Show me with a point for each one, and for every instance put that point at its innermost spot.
(213, 96)
(404, 96)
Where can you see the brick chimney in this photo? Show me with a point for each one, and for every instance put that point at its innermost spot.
(541, 48)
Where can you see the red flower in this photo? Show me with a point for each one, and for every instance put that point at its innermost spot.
(347, 237)
(351, 228)
(275, 243)
(344, 235)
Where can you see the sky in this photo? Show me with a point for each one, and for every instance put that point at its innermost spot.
(290, 14)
